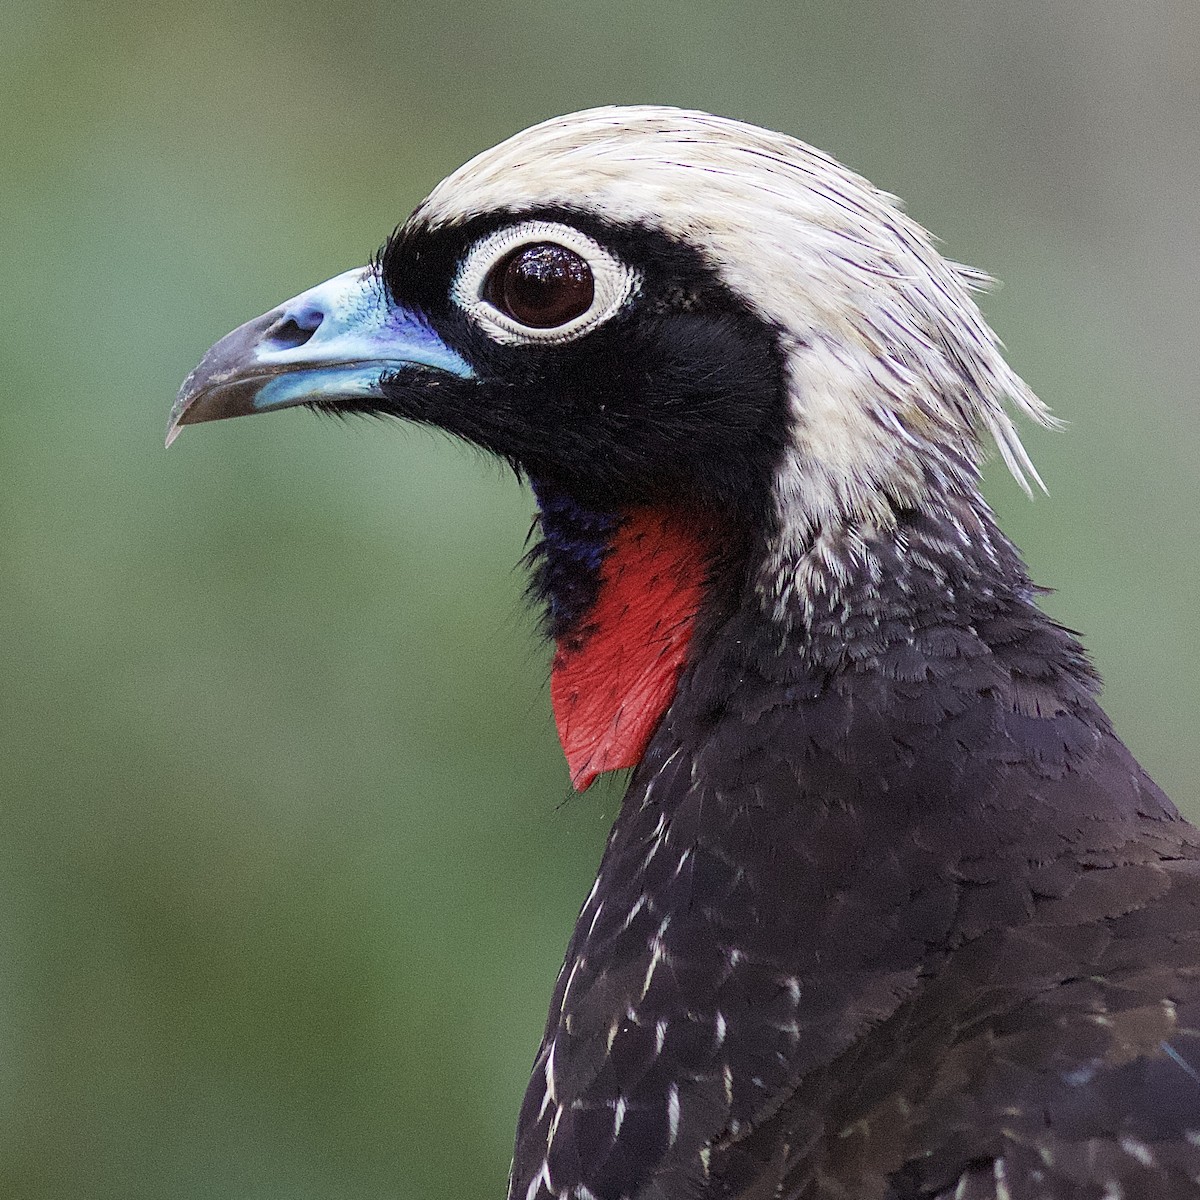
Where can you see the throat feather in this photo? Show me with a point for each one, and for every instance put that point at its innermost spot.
(617, 662)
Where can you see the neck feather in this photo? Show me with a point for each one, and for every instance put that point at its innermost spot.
(885, 567)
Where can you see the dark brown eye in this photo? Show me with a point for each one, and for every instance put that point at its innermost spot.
(542, 285)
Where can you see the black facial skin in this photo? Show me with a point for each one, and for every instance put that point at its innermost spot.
(678, 398)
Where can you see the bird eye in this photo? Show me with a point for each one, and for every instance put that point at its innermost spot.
(543, 285)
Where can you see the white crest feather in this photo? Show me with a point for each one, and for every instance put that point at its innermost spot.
(892, 363)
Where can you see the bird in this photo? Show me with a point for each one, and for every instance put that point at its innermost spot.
(888, 911)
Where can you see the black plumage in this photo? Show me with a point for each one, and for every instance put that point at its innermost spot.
(905, 908)
(889, 912)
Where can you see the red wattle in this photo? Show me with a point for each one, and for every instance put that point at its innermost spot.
(612, 682)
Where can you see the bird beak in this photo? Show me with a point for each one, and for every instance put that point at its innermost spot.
(335, 342)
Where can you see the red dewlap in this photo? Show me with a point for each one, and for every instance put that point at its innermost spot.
(612, 683)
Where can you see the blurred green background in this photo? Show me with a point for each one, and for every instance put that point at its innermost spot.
(289, 854)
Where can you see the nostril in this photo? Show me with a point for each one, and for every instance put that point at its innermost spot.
(292, 331)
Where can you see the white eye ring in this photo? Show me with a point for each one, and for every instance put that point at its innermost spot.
(612, 280)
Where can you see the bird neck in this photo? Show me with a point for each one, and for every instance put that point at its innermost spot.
(832, 804)
(859, 581)
(624, 591)
(621, 590)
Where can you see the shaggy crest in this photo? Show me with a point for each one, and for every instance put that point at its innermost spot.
(888, 349)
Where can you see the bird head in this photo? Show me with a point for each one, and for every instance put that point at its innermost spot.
(700, 341)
